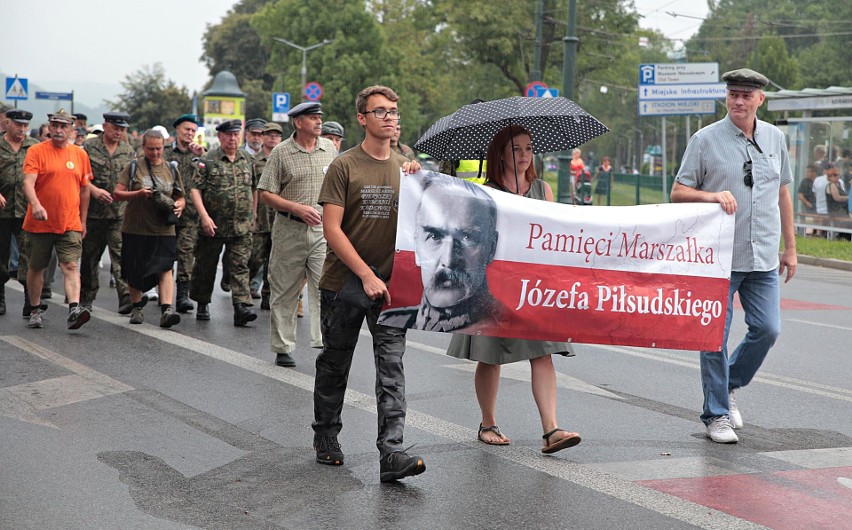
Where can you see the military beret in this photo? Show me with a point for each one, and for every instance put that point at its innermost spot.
(81, 116)
(308, 107)
(332, 127)
(61, 116)
(117, 118)
(186, 117)
(745, 79)
(272, 127)
(255, 124)
(230, 126)
(18, 115)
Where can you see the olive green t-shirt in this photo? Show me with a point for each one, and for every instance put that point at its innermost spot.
(368, 191)
(141, 216)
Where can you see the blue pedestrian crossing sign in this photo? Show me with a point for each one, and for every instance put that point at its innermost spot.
(280, 106)
(16, 88)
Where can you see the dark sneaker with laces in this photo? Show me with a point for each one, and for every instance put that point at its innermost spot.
(328, 450)
(78, 316)
(400, 464)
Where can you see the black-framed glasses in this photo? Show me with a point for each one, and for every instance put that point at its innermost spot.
(748, 179)
(384, 113)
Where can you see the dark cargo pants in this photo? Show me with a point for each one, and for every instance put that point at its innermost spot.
(341, 326)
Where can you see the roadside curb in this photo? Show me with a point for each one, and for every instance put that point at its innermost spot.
(825, 262)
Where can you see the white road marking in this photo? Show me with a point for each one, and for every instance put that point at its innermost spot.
(22, 401)
(815, 458)
(578, 474)
(823, 324)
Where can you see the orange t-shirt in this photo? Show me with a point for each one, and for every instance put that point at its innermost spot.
(60, 175)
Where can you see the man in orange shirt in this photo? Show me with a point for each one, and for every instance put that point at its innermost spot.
(56, 178)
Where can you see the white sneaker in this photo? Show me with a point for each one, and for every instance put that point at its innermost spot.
(719, 430)
(734, 412)
(152, 294)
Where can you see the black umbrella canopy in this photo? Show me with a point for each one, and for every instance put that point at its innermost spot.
(557, 124)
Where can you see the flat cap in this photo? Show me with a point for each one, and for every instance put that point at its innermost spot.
(332, 127)
(230, 126)
(272, 127)
(19, 115)
(61, 116)
(745, 79)
(186, 117)
(308, 107)
(162, 130)
(81, 116)
(122, 119)
(255, 124)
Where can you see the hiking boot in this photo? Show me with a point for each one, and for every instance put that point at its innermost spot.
(169, 318)
(400, 464)
(243, 315)
(734, 412)
(125, 305)
(136, 316)
(78, 316)
(203, 312)
(720, 431)
(36, 318)
(328, 450)
(182, 303)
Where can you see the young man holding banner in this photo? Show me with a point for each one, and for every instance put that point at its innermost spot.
(359, 197)
(742, 163)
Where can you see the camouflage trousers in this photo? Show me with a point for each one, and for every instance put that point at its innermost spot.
(101, 234)
(8, 228)
(261, 246)
(237, 253)
(187, 238)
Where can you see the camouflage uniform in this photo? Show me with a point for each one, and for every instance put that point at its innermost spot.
(227, 191)
(187, 228)
(103, 226)
(12, 216)
(261, 238)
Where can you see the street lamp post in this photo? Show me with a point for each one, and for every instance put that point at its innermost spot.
(305, 50)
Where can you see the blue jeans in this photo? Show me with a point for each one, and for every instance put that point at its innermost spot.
(761, 300)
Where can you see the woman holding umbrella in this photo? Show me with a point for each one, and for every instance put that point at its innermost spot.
(510, 169)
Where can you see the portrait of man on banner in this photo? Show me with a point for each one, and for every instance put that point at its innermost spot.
(453, 248)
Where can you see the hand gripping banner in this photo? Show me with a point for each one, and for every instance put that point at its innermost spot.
(474, 260)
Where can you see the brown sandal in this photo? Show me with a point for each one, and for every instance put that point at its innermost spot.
(563, 443)
(495, 430)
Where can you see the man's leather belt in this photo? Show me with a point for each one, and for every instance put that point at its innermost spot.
(293, 217)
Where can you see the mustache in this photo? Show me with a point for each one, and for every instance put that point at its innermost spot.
(452, 276)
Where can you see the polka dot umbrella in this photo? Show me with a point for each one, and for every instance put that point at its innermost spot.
(557, 124)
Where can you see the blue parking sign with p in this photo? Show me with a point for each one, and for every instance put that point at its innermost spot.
(646, 74)
(281, 102)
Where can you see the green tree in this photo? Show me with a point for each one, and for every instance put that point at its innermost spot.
(151, 99)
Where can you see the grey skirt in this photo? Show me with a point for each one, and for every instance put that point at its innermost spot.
(498, 350)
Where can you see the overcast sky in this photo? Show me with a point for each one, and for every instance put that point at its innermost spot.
(57, 44)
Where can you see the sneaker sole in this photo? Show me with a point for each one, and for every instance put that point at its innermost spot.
(82, 318)
(175, 319)
(38, 325)
(414, 469)
(330, 461)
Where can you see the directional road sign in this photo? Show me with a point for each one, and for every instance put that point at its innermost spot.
(313, 91)
(547, 92)
(678, 73)
(676, 107)
(16, 88)
(55, 96)
(280, 106)
(693, 91)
